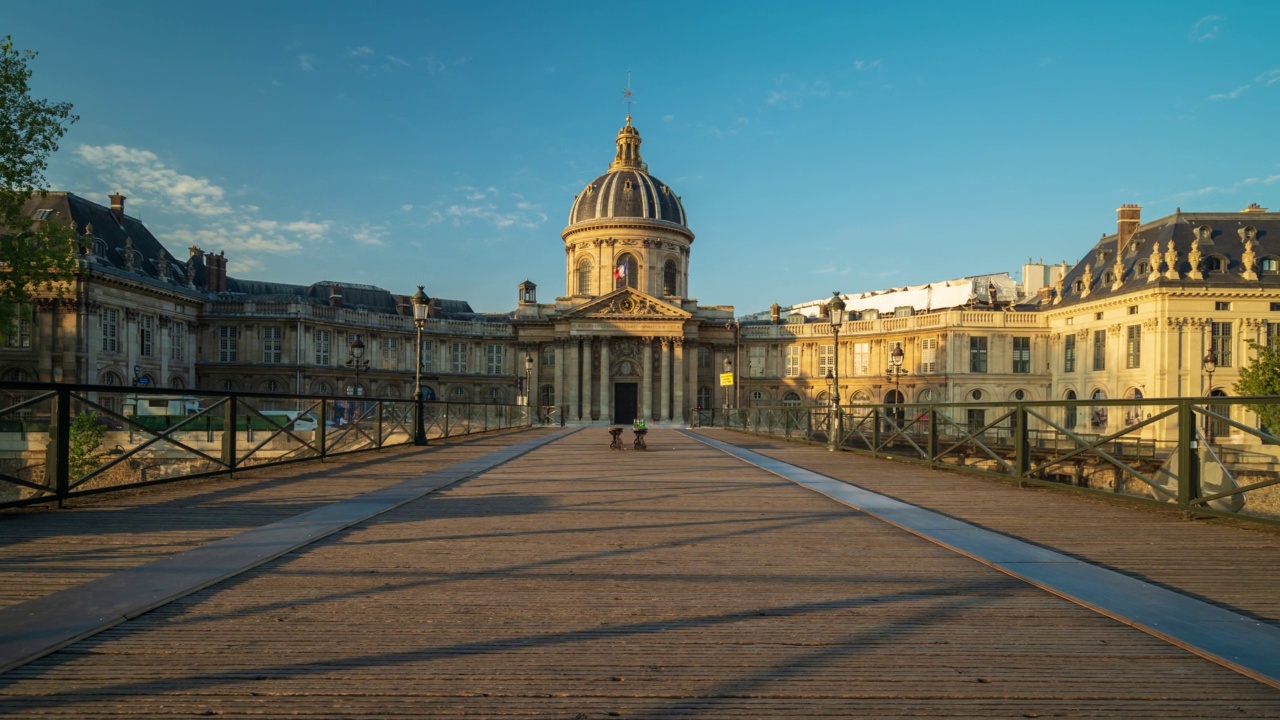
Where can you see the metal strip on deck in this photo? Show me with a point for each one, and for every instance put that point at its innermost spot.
(33, 629)
(1244, 644)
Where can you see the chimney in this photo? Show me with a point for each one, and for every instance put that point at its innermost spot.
(775, 313)
(335, 296)
(1128, 218)
(222, 271)
(117, 207)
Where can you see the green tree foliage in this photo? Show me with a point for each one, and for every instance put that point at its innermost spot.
(87, 432)
(34, 255)
(1262, 377)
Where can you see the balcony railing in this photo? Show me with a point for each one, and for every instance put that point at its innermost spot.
(59, 441)
(353, 317)
(1205, 456)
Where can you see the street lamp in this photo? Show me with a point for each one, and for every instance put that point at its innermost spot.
(421, 307)
(528, 378)
(728, 368)
(357, 363)
(895, 373)
(835, 311)
(1210, 364)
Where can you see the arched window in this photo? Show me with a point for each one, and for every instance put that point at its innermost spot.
(669, 278)
(1132, 414)
(861, 397)
(428, 392)
(791, 399)
(757, 397)
(228, 386)
(824, 398)
(459, 393)
(272, 386)
(584, 277)
(322, 388)
(1098, 416)
(1267, 264)
(495, 396)
(704, 397)
(1070, 417)
(548, 395)
(389, 391)
(626, 272)
(177, 382)
(1144, 268)
(1219, 429)
(109, 378)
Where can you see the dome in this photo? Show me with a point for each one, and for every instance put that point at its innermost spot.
(627, 190)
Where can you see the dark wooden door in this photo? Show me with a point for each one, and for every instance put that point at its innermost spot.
(625, 403)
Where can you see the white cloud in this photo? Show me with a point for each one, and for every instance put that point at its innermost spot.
(1269, 78)
(866, 65)
(1206, 28)
(393, 60)
(406, 207)
(362, 50)
(369, 235)
(140, 173)
(1230, 95)
(304, 63)
(312, 230)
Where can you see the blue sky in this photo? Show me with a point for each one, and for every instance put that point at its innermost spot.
(845, 146)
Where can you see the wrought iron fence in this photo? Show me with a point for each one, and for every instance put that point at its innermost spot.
(59, 441)
(1207, 456)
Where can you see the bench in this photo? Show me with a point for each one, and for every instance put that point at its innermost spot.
(616, 443)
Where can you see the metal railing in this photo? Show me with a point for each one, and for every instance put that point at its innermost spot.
(1206, 456)
(59, 441)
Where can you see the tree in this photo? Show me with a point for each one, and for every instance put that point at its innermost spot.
(87, 432)
(1262, 377)
(34, 255)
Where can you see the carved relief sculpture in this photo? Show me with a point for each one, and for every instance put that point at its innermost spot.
(1193, 259)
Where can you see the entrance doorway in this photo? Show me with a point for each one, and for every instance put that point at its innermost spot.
(625, 402)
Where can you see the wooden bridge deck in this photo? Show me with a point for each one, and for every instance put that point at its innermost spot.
(579, 582)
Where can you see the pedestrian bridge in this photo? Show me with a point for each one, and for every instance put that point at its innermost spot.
(537, 573)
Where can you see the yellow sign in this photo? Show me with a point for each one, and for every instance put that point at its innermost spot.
(726, 379)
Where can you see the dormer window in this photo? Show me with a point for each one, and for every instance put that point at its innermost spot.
(42, 214)
(1144, 268)
(1214, 263)
(1108, 278)
(626, 187)
(1103, 256)
(1078, 286)
(1267, 264)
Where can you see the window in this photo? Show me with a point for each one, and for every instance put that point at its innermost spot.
(704, 356)
(227, 343)
(1272, 336)
(272, 342)
(584, 277)
(1022, 354)
(929, 355)
(322, 388)
(791, 399)
(428, 356)
(757, 397)
(110, 323)
(1267, 264)
(147, 335)
(494, 395)
(493, 359)
(669, 278)
(793, 361)
(178, 340)
(977, 354)
(1097, 316)
(1071, 321)
(1213, 263)
(459, 393)
(1069, 353)
(756, 360)
(548, 395)
(19, 334)
(272, 386)
(976, 419)
(1070, 418)
(1133, 346)
(1275, 307)
(228, 386)
(549, 356)
(324, 347)
(390, 353)
(459, 357)
(1099, 349)
(826, 359)
(862, 358)
(625, 272)
(1220, 341)
(1222, 305)
(704, 397)
(1133, 309)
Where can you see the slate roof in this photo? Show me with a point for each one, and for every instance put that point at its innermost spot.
(1223, 240)
(627, 193)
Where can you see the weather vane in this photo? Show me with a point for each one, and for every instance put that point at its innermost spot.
(626, 94)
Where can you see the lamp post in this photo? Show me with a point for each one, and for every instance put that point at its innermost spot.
(358, 364)
(421, 307)
(835, 309)
(528, 378)
(728, 368)
(895, 374)
(1210, 364)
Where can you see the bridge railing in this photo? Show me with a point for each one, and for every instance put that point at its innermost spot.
(59, 441)
(1207, 456)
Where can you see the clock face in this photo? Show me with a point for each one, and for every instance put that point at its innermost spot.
(628, 305)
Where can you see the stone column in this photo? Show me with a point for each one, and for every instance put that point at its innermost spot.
(664, 372)
(572, 374)
(557, 373)
(681, 381)
(534, 391)
(605, 377)
(646, 379)
(163, 343)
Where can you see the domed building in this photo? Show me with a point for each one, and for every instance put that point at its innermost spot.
(625, 341)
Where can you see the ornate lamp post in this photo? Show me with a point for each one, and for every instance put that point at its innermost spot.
(1210, 364)
(728, 368)
(835, 309)
(528, 378)
(421, 306)
(895, 374)
(357, 363)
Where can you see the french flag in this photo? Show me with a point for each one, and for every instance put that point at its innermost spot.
(620, 271)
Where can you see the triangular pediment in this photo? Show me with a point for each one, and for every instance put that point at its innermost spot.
(628, 304)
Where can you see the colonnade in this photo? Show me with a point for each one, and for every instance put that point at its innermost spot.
(587, 367)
